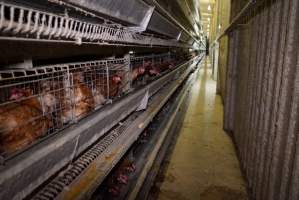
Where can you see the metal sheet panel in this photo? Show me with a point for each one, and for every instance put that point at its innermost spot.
(131, 11)
(161, 25)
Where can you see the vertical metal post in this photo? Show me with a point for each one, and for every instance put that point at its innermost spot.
(70, 91)
(107, 79)
(151, 41)
(128, 71)
(143, 65)
(153, 59)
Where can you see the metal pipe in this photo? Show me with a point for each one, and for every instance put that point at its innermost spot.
(89, 43)
(235, 20)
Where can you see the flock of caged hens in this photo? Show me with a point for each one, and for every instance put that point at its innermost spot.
(27, 115)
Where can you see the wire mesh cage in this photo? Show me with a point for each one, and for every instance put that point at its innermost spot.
(78, 97)
(41, 101)
(138, 71)
(30, 106)
(118, 78)
(158, 65)
(148, 68)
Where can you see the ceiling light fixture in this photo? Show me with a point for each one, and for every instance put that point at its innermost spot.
(209, 7)
(209, 19)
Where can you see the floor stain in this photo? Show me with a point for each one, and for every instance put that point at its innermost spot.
(222, 193)
(169, 194)
(170, 178)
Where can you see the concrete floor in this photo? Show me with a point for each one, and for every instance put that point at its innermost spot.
(203, 164)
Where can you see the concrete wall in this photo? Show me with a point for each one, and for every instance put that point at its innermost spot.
(262, 97)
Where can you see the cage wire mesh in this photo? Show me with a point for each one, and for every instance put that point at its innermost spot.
(30, 106)
(41, 101)
(138, 69)
(118, 78)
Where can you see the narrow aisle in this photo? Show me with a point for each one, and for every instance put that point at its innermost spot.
(203, 164)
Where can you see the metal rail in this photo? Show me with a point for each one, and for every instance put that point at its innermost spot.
(144, 191)
(22, 23)
(235, 20)
(12, 74)
(162, 136)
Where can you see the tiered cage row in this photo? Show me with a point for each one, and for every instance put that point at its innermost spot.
(41, 101)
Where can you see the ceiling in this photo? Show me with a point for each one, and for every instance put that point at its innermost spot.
(206, 8)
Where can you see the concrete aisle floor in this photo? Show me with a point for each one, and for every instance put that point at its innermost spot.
(203, 164)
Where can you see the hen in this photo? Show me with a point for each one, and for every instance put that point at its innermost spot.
(120, 176)
(98, 79)
(48, 99)
(21, 122)
(113, 89)
(77, 99)
(157, 69)
(137, 72)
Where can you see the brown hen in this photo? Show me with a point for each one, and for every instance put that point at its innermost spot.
(21, 122)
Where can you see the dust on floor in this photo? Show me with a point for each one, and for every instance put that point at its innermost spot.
(203, 164)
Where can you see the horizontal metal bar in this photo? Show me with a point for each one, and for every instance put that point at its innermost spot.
(64, 67)
(235, 20)
(167, 144)
(158, 44)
